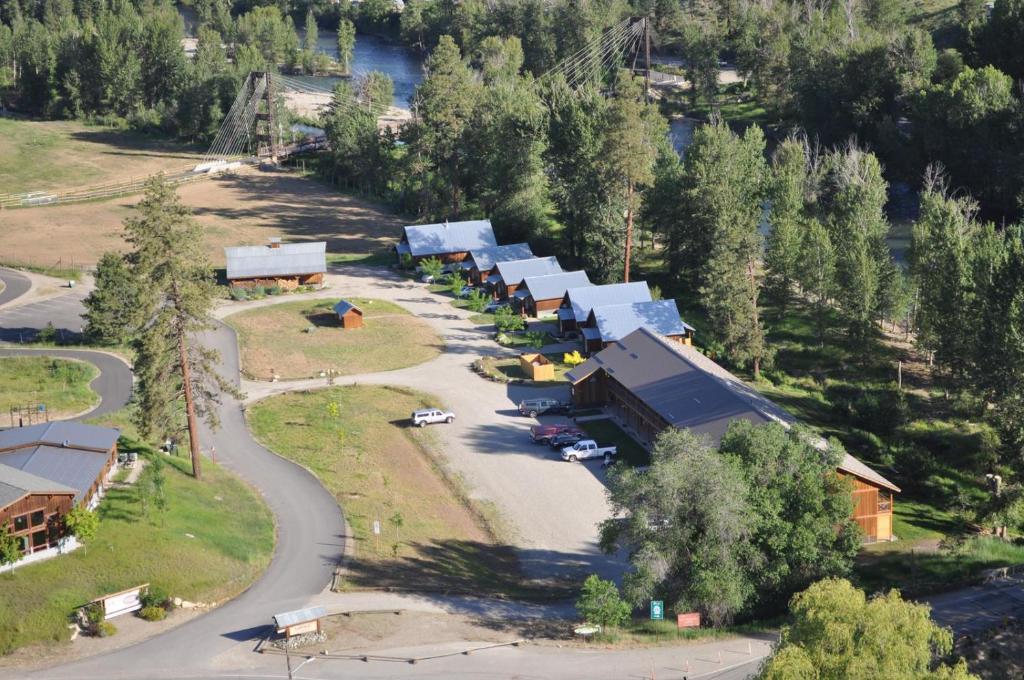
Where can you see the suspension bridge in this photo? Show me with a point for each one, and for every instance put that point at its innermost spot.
(252, 131)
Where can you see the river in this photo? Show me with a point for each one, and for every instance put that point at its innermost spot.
(404, 66)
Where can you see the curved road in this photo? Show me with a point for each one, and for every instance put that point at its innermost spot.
(15, 285)
(113, 384)
(309, 523)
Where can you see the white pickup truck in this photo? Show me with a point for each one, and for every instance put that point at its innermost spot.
(587, 448)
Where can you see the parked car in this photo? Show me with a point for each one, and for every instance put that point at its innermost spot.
(493, 306)
(535, 407)
(542, 434)
(427, 278)
(587, 448)
(427, 416)
(466, 291)
(564, 439)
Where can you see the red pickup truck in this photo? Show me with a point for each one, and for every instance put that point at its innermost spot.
(542, 434)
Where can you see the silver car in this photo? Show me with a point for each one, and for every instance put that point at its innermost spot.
(429, 416)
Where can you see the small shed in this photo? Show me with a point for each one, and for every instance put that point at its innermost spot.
(300, 621)
(349, 315)
(537, 367)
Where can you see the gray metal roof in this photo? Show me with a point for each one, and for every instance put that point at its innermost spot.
(554, 286)
(68, 468)
(691, 391)
(484, 258)
(514, 271)
(288, 259)
(344, 306)
(582, 300)
(448, 237)
(16, 484)
(77, 435)
(618, 321)
(299, 616)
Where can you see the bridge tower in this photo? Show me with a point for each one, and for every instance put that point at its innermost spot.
(266, 124)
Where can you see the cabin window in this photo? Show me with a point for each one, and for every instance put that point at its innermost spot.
(21, 523)
(884, 501)
(37, 518)
(39, 540)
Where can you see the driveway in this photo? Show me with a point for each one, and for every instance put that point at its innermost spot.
(978, 608)
(113, 384)
(550, 508)
(15, 283)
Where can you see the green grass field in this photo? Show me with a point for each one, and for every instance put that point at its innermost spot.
(214, 539)
(61, 384)
(357, 441)
(607, 433)
(299, 339)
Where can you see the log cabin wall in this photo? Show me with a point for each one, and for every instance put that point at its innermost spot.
(37, 520)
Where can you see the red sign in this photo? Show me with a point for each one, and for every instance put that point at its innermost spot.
(689, 620)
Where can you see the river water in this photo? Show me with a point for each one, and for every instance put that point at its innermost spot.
(404, 66)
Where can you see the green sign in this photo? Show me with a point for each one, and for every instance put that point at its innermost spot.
(657, 610)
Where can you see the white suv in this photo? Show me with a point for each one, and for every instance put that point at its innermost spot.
(426, 416)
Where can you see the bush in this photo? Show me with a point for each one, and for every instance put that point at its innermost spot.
(505, 320)
(238, 294)
(478, 301)
(257, 292)
(47, 333)
(432, 267)
(105, 629)
(601, 603)
(155, 596)
(153, 613)
(274, 290)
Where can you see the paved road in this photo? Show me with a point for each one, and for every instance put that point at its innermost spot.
(979, 608)
(22, 324)
(113, 384)
(15, 285)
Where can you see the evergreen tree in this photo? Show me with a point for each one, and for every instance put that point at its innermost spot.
(167, 253)
(631, 136)
(724, 190)
(817, 272)
(112, 309)
(442, 108)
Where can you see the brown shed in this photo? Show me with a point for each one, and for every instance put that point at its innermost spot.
(349, 315)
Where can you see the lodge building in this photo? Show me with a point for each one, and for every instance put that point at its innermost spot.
(649, 383)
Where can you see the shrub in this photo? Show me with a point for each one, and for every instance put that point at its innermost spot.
(478, 301)
(153, 613)
(505, 320)
(406, 262)
(155, 596)
(257, 292)
(573, 358)
(105, 629)
(432, 267)
(274, 290)
(238, 294)
(48, 333)
(601, 603)
(536, 339)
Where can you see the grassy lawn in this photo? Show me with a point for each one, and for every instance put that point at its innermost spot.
(379, 258)
(299, 339)
(509, 370)
(644, 632)
(61, 384)
(356, 439)
(606, 432)
(213, 540)
(523, 341)
(57, 269)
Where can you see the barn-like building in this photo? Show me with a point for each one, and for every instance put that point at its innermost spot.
(285, 265)
(447, 241)
(608, 323)
(536, 294)
(649, 383)
(349, 316)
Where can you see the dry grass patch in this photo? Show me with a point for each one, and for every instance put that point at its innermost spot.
(358, 442)
(299, 339)
(244, 209)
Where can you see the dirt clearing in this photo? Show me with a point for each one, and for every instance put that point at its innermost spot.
(244, 209)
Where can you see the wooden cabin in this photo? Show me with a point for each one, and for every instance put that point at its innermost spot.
(648, 383)
(577, 302)
(505, 276)
(284, 265)
(45, 471)
(537, 294)
(482, 260)
(609, 323)
(447, 241)
(349, 316)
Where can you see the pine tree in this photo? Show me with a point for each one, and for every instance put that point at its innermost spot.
(167, 253)
(817, 272)
(724, 189)
(631, 135)
(112, 311)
